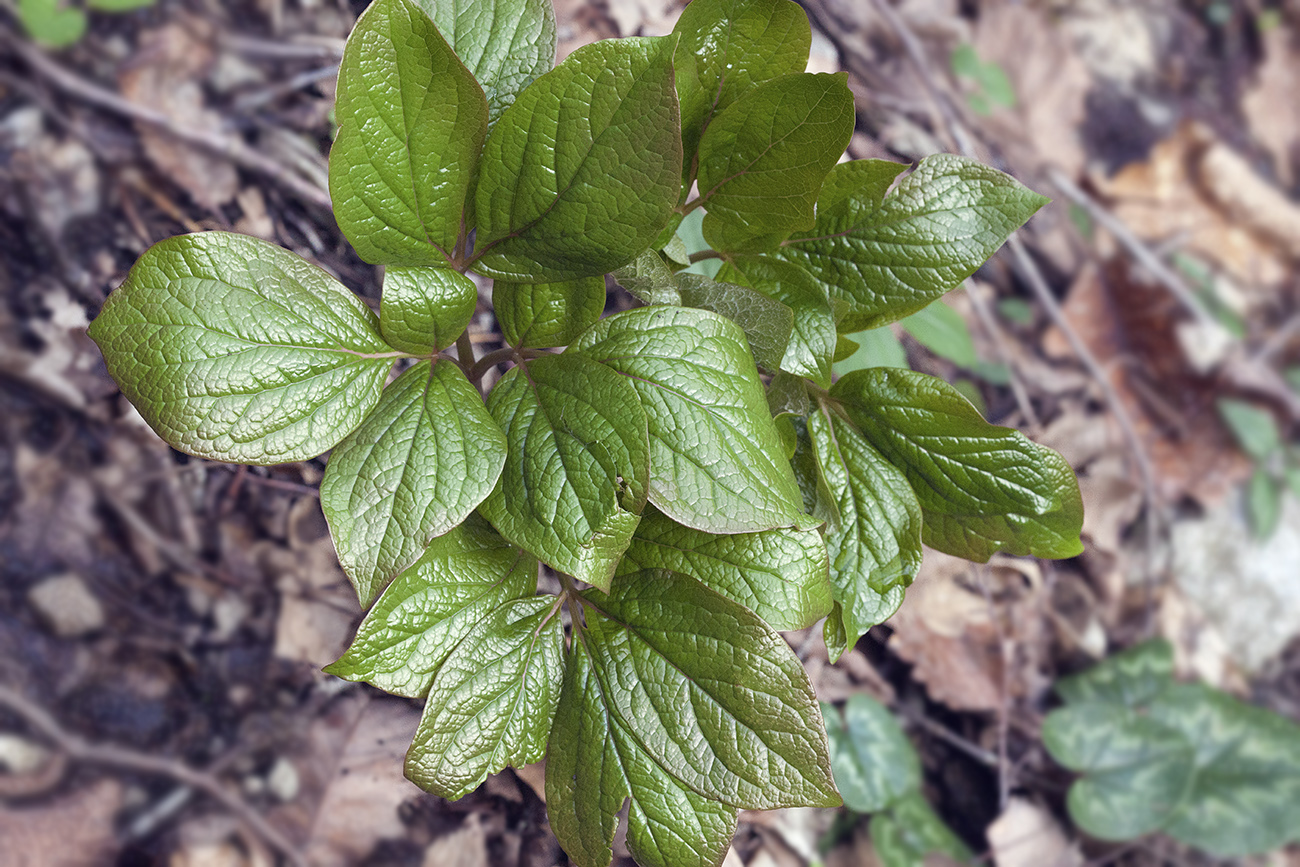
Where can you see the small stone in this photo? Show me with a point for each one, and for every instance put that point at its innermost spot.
(20, 756)
(282, 780)
(67, 606)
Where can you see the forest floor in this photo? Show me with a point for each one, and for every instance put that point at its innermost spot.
(164, 620)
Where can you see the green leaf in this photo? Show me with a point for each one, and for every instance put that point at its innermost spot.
(1138, 769)
(119, 5)
(787, 394)
(941, 330)
(581, 173)
(504, 43)
(854, 189)
(678, 698)
(780, 575)
(458, 581)
(874, 762)
(716, 462)
(1255, 429)
(910, 831)
(424, 310)
(728, 46)
(941, 223)
(878, 347)
(52, 23)
(875, 547)
(764, 157)
(492, 701)
(576, 472)
(1245, 796)
(813, 339)
(767, 322)
(593, 764)
(649, 280)
(236, 350)
(411, 121)
(1130, 679)
(547, 314)
(416, 468)
(982, 488)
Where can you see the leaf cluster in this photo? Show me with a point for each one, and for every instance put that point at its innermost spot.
(688, 468)
(1182, 758)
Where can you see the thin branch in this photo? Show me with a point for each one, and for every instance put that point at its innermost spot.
(129, 760)
(994, 331)
(230, 147)
(491, 360)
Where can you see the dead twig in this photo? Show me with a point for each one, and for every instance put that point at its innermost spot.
(229, 147)
(1003, 351)
(122, 758)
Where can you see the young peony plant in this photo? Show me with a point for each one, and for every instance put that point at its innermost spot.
(688, 468)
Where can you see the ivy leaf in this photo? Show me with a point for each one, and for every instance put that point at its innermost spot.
(678, 698)
(767, 322)
(411, 122)
(941, 223)
(492, 701)
(763, 159)
(424, 310)
(716, 462)
(910, 830)
(576, 471)
(874, 762)
(982, 488)
(547, 314)
(504, 43)
(875, 549)
(458, 581)
(581, 173)
(728, 46)
(1131, 678)
(780, 575)
(593, 764)
(416, 468)
(812, 342)
(236, 350)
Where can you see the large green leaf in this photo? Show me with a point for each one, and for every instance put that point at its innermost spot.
(982, 488)
(942, 222)
(649, 279)
(492, 701)
(678, 698)
(417, 466)
(780, 575)
(236, 350)
(547, 314)
(576, 473)
(812, 341)
(424, 310)
(763, 159)
(505, 43)
(855, 188)
(411, 122)
(594, 763)
(874, 762)
(728, 46)
(875, 548)
(941, 330)
(581, 173)
(1130, 679)
(716, 462)
(424, 614)
(910, 830)
(767, 322)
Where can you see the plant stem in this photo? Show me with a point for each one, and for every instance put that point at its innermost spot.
(491, 360)
(705, 254)
(465, 352)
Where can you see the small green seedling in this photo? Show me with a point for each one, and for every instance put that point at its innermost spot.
(60, 23)
(687, 468)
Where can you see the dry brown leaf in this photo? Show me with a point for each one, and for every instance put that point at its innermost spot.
(464, 847)
(73, 831)
(166, 77)
(1270, 106)
(1026, 835)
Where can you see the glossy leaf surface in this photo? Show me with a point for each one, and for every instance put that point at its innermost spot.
(940, 224)
(414, 469)
(492, 701)
(576, 472)
(547, 314)
(424, 310)
(767, 322)
(781, 575)
(234, 349)
(458, 581)
(716, 462)
(411, 122)
(580, 174)
(982, 488)
(678, 697)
